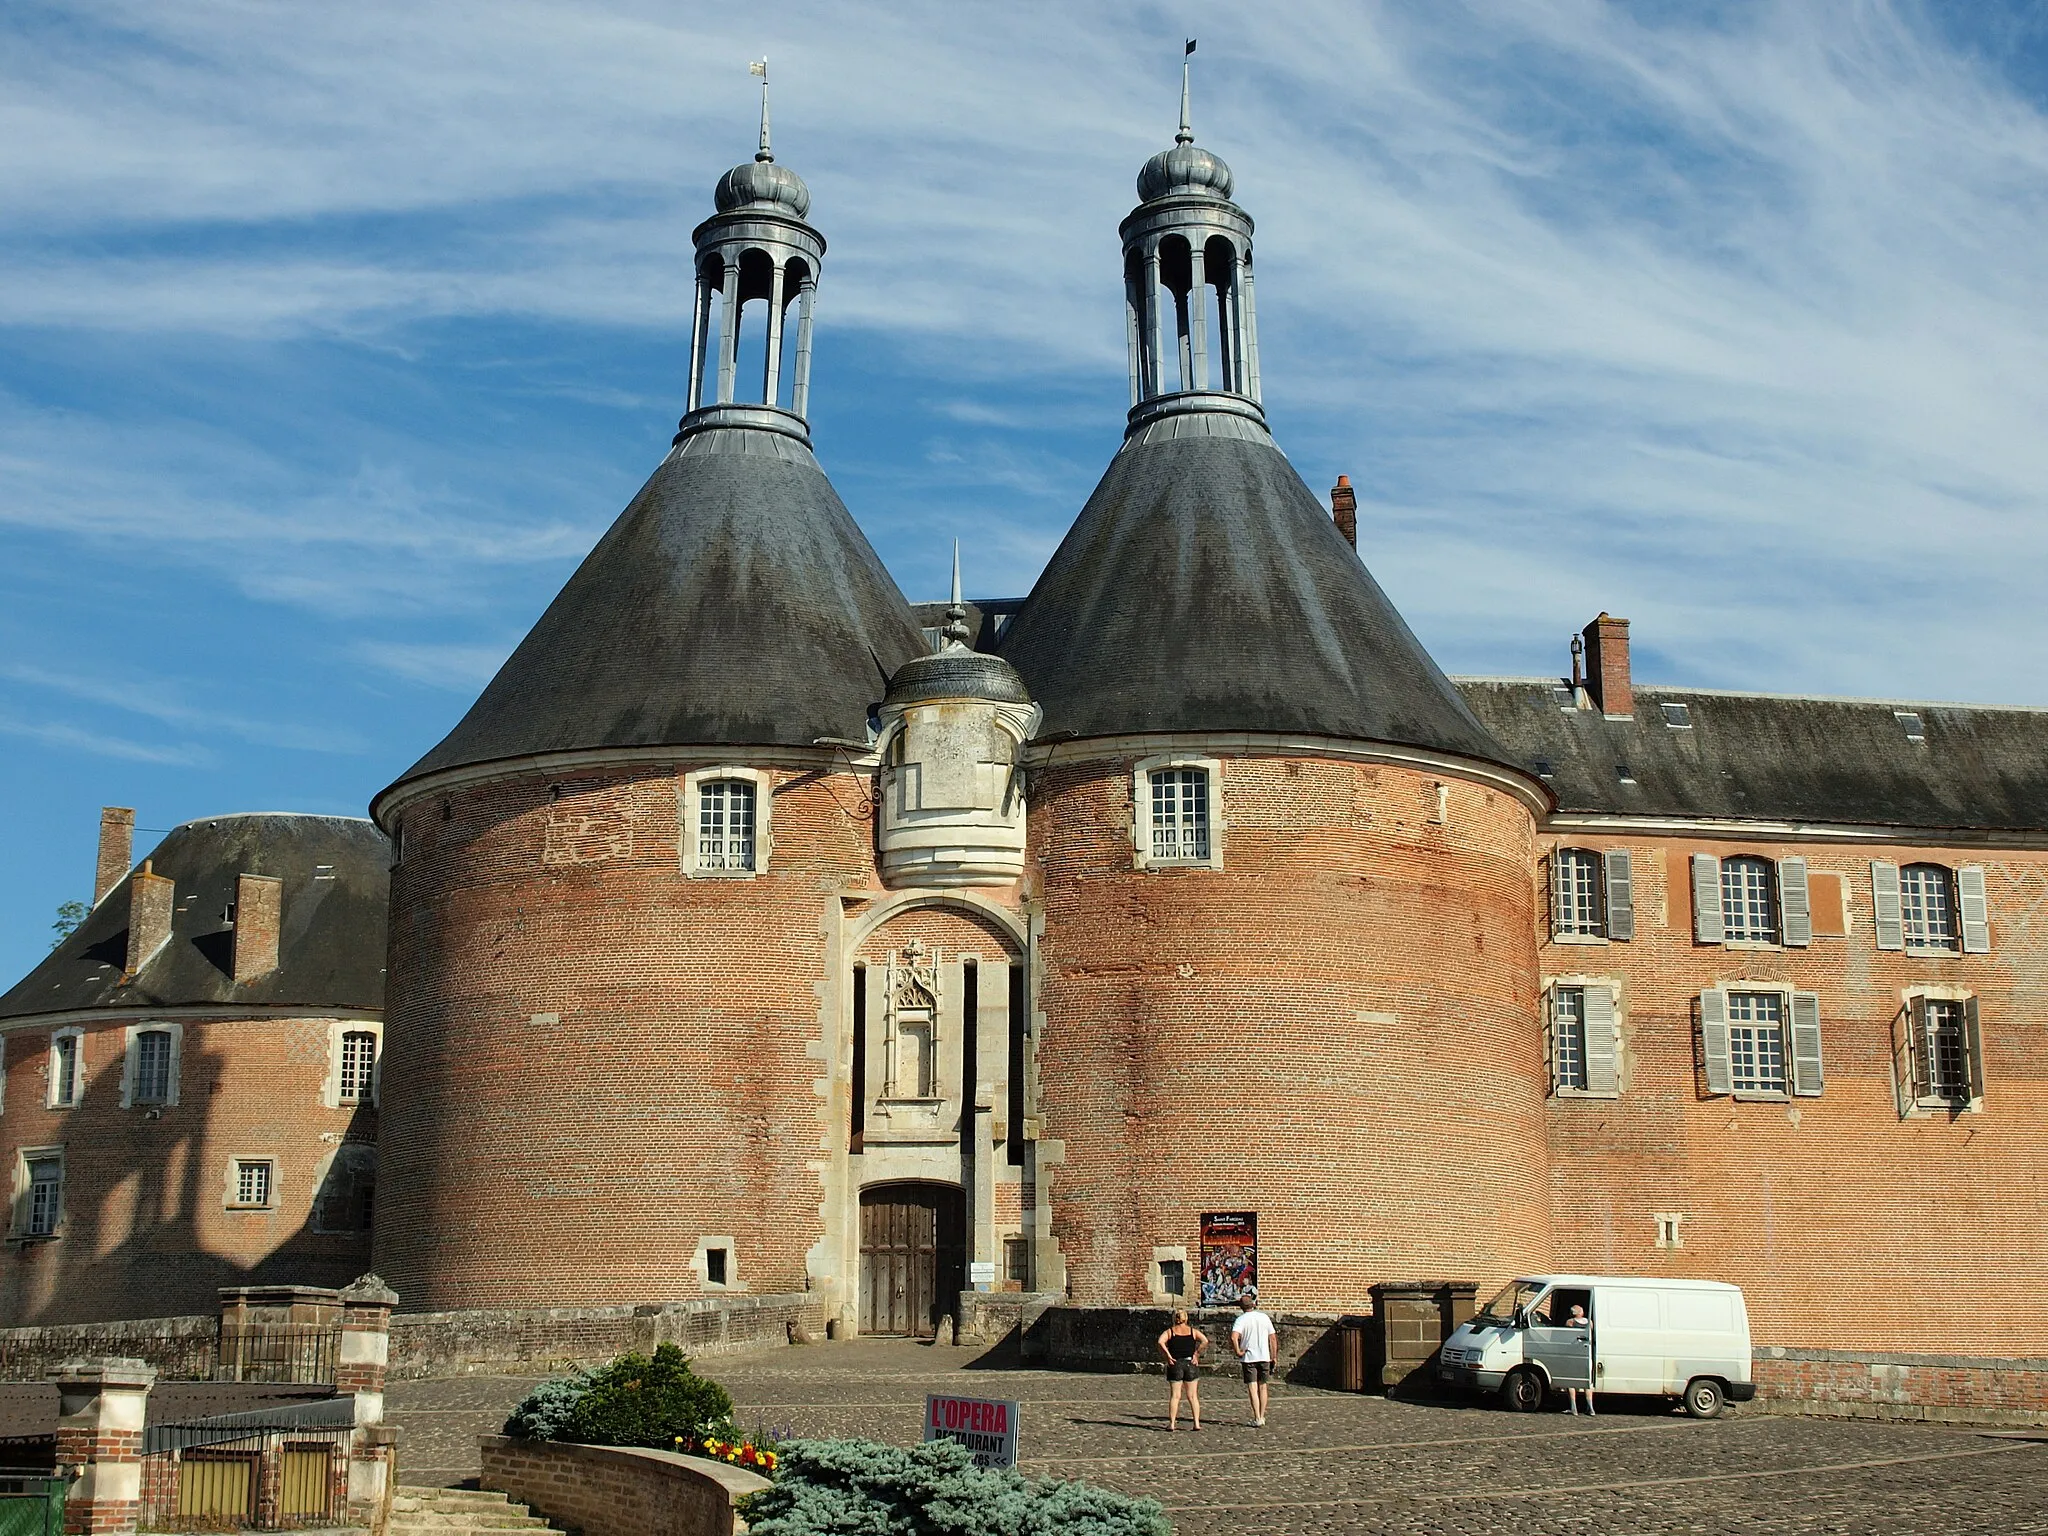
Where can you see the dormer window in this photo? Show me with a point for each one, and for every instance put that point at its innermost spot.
(724, 817)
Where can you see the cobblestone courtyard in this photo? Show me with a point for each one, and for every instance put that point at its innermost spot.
(1333, 1462)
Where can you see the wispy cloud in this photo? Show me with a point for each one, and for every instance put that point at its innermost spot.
(160, 699)
(57, 733)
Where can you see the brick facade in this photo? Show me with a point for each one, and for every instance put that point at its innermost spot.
(149, 1226)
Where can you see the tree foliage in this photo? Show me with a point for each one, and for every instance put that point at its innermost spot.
(636, 1400)
(69, 915)
(860, 1488)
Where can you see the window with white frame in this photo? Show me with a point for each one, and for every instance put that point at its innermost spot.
(1927, 908)
(1568, 1039)
(150, 1063)
(1575, 888)
(725, 824)
(67, 1068)
(358, 1066)
(253, 1180)
(42, 1201)
(1747, 909)
(1756, 1042)
(1180, 815)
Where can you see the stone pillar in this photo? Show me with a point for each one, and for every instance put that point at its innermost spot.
(99, 1434)
(1410, 1323)
(365, 1358)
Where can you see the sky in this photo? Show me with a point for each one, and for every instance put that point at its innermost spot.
(332, 337)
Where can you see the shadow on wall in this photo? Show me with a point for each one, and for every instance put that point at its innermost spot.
(146, 1228)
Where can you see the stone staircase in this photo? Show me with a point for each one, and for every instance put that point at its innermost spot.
(459, 1512)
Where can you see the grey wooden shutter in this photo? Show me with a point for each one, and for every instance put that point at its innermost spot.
(1976, 913)
(1795, 912)
(1917, 1045)
(1621, 895)
(1601, 1077)
(1973, 1045)
(1902, 1061)
(1884, 899)
(1557, 863)
(1706, 898)
(1714, 1039)
(1806, 1063)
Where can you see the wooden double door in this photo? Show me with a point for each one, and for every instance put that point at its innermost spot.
(913, 1257)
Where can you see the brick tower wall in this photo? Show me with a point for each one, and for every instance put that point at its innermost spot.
(1847, 1226)
(597, 1061)
(1334, 1030)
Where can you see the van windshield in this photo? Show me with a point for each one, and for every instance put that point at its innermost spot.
(1500, 1311)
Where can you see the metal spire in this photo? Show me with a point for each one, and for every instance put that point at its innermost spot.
(760, 67)
(1187, 128)
(955, 632)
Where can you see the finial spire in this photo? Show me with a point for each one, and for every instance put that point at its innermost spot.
(760, 67)
(955, 632)
(1187, 127)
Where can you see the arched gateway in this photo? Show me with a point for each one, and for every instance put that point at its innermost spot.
(913, 1256)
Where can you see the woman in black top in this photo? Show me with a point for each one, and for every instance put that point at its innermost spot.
(1182, 1344)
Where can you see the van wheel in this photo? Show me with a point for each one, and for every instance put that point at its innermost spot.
(1522, 1392)
(1703, 1398)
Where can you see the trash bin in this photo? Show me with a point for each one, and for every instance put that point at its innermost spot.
(1351, 1358)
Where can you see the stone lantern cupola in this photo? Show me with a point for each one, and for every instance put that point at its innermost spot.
(757, 252)
(1194, 340)
(954, 724)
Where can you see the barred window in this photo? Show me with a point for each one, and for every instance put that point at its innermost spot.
(1568, 1012)
(1947, 1050)
(725, 824)
(152, 1067)
(1747, 908)
(1756, 1042)
(1180, 815)
(65, 1073)
(1577, 886)
(358, 1066)
(1927, 906)
(45, 1196)
(252, 1182)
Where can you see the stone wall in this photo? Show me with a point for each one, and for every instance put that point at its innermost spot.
(1309, 1351)
(178, 1348)
(426, 1344)
(602, 1490)
(1950, 1389)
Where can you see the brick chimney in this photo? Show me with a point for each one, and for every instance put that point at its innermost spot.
(149, 915)
(1607, 675)
(1344, 508)
(117, 849)
(259, 910)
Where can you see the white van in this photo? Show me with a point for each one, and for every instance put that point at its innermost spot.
(1684, 1339)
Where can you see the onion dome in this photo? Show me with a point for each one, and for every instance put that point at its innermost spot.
(761, 183)
(954, 671)
(1185, 168)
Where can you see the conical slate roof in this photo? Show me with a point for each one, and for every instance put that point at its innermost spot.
(1204, 588)
(330, 949)
(734, 603)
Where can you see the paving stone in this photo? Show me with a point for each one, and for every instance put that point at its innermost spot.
(1331, 1462)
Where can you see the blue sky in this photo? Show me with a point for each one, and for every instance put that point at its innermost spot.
(332, 336)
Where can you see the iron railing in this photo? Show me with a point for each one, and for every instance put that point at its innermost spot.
(274, 1352)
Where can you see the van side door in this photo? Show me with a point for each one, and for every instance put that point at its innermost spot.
(1565, 1352)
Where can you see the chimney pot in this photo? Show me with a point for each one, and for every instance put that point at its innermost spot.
(1607, 667)
(150, 896)
(1344, 509)
(259, 911)
(117, 850)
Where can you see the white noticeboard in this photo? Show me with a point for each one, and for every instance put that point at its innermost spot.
(985, 1426)
(981, 1272)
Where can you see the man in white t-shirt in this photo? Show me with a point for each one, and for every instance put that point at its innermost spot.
(1252, 1337)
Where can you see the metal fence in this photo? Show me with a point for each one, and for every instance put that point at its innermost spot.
(240, 1472)
(31, 1502)
(277, 1353)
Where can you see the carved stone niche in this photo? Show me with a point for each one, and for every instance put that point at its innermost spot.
(952, 734)
(913, 1105)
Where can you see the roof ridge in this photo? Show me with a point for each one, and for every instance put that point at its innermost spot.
(1753, 693)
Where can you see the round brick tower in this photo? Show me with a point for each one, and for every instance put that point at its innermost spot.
(1288, 955)
(615, 899)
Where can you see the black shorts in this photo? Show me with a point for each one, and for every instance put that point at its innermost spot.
(1182, 1370)
(1258, 1370)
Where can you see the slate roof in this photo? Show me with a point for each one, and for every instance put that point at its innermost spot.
(1205, 588)
(1766, 757)
(734, 602)
(336, 874)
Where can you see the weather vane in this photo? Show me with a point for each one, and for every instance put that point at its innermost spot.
(1187, 131)
(759, 67)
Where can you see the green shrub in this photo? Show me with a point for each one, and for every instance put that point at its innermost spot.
(545, 1412)
(860, 1488)
(632, 1401)
(638, 1401)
